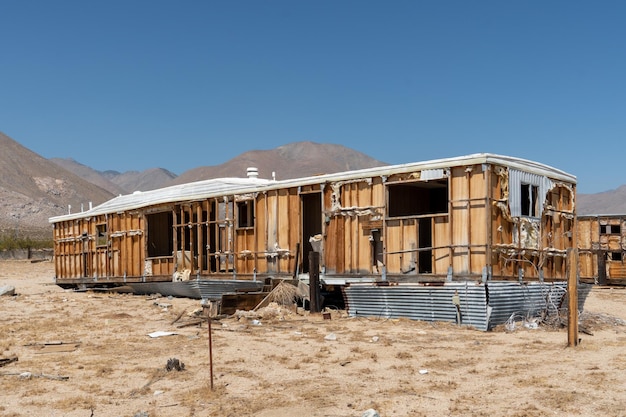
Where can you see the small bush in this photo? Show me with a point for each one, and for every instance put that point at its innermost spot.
(13, 242)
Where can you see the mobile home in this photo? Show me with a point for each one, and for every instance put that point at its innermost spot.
(602, 249)
(477, 217)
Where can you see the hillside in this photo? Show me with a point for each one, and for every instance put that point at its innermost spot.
(33, 189)
(132, 181)
(89, 174)
(607, 202)
(116, 182)
(298, 159)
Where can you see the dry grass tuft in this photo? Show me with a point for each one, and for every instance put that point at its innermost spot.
(77, 402)
(284, 294)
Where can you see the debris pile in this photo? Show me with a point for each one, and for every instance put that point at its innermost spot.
(174, 364)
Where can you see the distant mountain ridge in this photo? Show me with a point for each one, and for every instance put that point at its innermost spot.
(116, 182)
(294, 160)
(33, 189)
(606, 202)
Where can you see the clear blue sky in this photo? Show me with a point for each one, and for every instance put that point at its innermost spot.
(134, 84)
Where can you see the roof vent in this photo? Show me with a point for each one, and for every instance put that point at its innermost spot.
(253, 172)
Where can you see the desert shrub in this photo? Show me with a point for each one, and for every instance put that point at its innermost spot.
(9, 242)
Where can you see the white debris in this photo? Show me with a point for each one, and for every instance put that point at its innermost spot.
(161, 334)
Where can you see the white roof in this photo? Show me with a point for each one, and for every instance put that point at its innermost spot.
(229, 186)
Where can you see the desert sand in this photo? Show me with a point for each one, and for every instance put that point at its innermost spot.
(82, 354)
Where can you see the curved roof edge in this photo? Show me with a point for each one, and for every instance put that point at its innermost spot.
(225, 186)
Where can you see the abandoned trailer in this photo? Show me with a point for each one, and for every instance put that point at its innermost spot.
(602, 246)
(472, 226)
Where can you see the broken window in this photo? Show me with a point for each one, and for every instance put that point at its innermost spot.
(101, 234)
(614, 256)
(610, 229)
(419, 198)
(160, 234)
(529, 198)
(245, 213)
(529, 193)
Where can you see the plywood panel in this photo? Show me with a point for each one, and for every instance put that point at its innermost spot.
(587, 265)
(584, 228)
(272, 219)
(441, 256)
(402, 242)
(295, 229)
(617, 270)
(261, 232)
(365, 249)
(478, 221)
(393, 242)
(283, 216)
(460, 220)
(245, 251)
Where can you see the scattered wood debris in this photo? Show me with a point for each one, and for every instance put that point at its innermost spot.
(54, 347)
(6, 361)
(30, 375)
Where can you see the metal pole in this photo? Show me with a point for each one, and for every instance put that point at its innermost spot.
(210, 352)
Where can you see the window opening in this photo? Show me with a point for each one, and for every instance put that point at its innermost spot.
(160, 234)
(529, 196)
(245, 213)
(419, 198)
(101, 234)
(610, 229)
(614, 256)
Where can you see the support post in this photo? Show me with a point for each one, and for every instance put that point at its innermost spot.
(314, 282)
(572, 291)
(210, 351)
(296, 268)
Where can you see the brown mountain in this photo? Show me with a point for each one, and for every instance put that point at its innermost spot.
(33, 189)
(131, 181)
(116, 182)
(89, 174)
(298, 159)
(607, 202)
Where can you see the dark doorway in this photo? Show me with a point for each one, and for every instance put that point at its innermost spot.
(425, 264)
(160, 234)
(311, 224)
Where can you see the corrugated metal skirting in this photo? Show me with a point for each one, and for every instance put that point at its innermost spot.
(213, 289)
(482, 305)
(201, 289)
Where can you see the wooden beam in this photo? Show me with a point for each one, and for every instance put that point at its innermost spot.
(572, 290)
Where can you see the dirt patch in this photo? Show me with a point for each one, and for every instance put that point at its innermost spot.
(99, 360)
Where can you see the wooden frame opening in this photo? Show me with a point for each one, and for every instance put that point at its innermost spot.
(160, 236)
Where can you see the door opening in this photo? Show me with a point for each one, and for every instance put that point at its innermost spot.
(311, 224)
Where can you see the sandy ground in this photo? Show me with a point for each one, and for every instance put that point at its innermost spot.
(90, 354)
